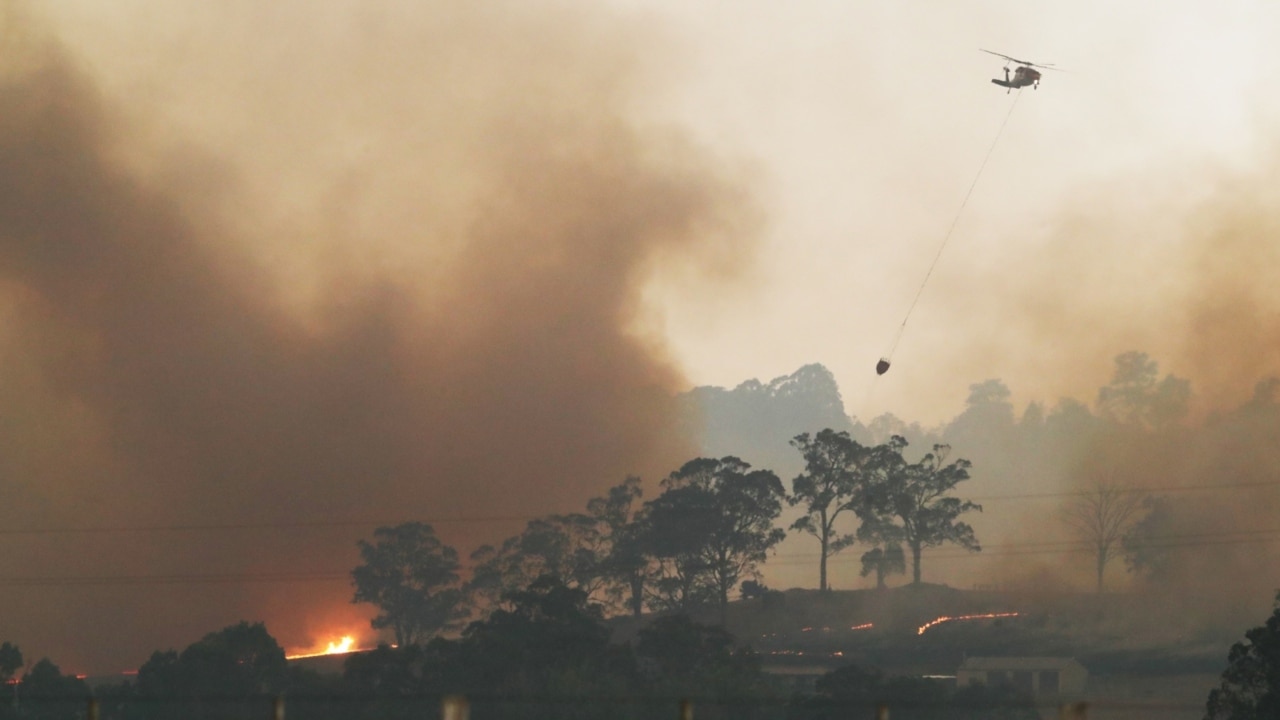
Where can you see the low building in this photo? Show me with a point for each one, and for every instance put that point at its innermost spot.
(1042, 677)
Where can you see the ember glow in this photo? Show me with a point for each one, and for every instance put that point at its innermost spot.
(342, 646)
(863, 626)
(947, 618)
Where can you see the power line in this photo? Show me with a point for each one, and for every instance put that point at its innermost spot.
(1166, 542)
(480, 519)
(178, 579)
(1065, 549)
(1135, 489)
(275, 525)
(1155, 541)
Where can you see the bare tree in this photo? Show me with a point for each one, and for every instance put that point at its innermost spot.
(1100, 517)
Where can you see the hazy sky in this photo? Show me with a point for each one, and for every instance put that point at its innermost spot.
(860, 125)
(867, 122)
(308, 259)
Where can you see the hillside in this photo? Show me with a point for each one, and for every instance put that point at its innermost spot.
(1109, 635)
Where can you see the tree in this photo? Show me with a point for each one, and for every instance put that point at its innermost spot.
(689, 659)
(883, 560)
(1136, 396)
(674, 535)
(987, 411)
(566, 547)
(714, 522)
(220, 675)
(752, 589)
(1146, 543)
(833, 482)
(10, 661)
(682, 648)
(50, 695)
(1101, 517)
(412, 578)
(546, 639)
(593, 551)
(987, 429)
(394, 681)
(548, 616)
(1250, 688)
(624, 564)
(239, 659)
(909, 501)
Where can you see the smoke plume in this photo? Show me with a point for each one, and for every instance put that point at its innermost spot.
(305, 268)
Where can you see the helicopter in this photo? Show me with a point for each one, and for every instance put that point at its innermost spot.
(1023, 75)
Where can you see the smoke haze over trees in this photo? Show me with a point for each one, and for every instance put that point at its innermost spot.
(298, 270)
(1209, 480)
(756, 420)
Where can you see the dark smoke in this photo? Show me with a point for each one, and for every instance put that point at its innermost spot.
(442, 320)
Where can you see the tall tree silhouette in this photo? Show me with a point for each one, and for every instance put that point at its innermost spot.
(910, 501)
(1250, 688)
(412, 578)
(835, 481)
(714, 523)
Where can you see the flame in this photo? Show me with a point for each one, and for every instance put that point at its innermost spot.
(341, 646)
(948, 618)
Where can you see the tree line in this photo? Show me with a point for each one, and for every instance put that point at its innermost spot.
(715, 520)
(1118, 463)
(706, 533)
(546, 653)
(711, 526)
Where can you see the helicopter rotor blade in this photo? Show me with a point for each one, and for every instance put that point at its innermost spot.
(1045, 66)
(1006, 57)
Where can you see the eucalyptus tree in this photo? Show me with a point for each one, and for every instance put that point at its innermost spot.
(835, 482)
(412, 578)
(912, 502)
(712, 526)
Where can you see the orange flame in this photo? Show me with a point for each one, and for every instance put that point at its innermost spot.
(342, 646)
(947, 618)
